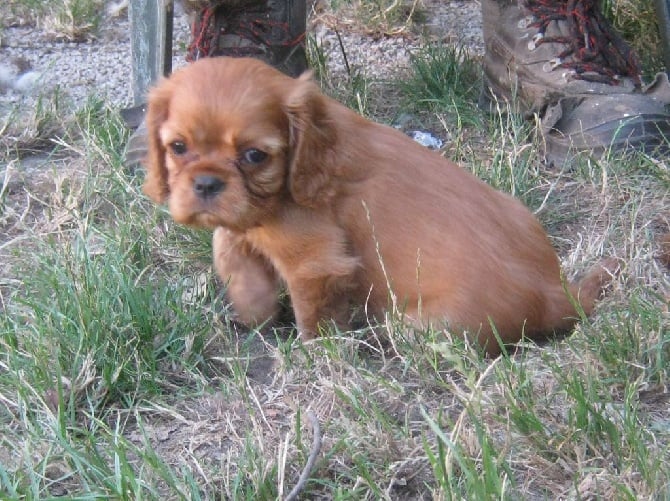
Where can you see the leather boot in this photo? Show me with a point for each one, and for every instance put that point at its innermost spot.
(562, 62)
(270, 30)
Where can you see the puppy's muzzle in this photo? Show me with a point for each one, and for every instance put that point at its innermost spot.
(207, 186)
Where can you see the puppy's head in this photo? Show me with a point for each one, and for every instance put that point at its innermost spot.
(232, 139)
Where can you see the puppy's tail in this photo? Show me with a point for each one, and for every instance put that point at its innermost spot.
(592, 286)
(583, 294)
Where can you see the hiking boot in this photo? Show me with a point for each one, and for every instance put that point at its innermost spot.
(561, 61)
(270, 30)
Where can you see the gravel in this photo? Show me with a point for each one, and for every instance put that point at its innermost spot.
(383, 56)
(32, 62)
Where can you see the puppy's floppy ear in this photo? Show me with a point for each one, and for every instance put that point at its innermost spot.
(156, 181)
(312, 138)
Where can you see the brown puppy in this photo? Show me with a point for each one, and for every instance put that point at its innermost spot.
(345, 211)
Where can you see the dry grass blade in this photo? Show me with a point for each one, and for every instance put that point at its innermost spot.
(473, 399)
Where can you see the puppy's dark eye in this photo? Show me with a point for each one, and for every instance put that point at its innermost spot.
(254, 156)
(178, 147)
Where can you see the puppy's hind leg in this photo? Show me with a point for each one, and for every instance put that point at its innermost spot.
(586, 292)
(252, 283)
(319, 301)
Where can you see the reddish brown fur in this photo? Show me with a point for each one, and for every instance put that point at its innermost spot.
(344, 208)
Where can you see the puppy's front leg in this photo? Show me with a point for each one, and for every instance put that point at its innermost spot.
(318, 301)
(252, 283)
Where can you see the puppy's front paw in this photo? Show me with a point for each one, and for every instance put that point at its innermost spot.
(252, 284)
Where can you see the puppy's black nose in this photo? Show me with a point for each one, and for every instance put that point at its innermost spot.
(207, 186)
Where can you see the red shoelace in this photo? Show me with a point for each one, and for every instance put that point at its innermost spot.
(594, 51)
(251, 23)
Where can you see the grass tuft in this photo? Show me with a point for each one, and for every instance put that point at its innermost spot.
(32, 129)
(444, 79)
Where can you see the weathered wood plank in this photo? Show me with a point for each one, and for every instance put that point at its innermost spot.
(150, 43)
(663, 12)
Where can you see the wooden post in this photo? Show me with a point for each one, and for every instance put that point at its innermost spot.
(663, 14)
(150, 43)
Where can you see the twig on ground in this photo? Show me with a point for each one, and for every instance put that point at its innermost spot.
(307, 470)
(344, 53)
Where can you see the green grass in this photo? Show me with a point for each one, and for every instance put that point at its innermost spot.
(122, 375)
(444, 79)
